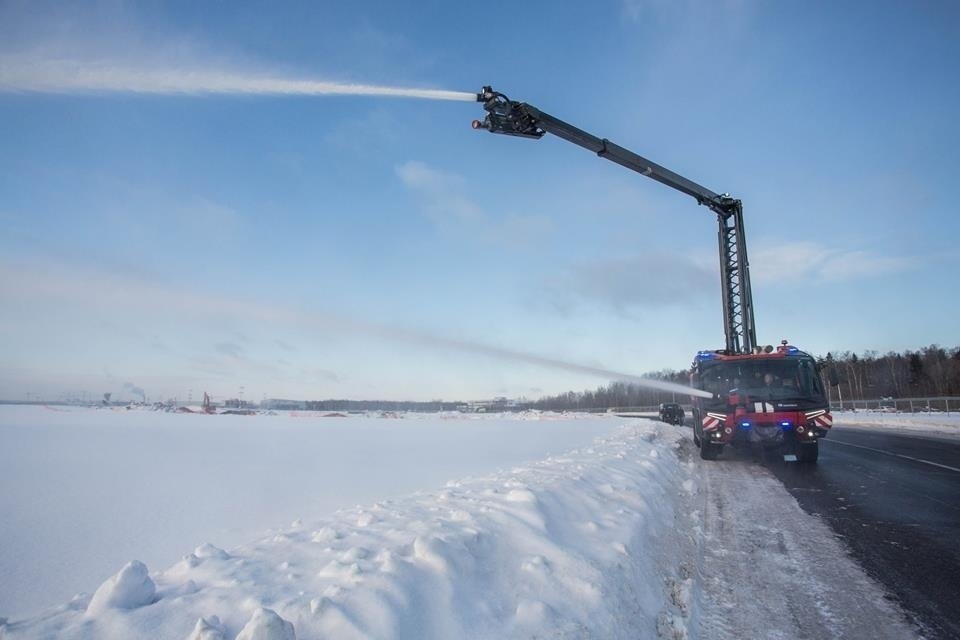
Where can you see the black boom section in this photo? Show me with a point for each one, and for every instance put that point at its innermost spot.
(735, 283)
(523, 120)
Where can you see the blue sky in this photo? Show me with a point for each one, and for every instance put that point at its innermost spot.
(314, 247)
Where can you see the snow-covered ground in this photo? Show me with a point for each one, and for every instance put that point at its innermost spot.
(577, 544)
(932, 422)
(767, 569)
(631, 536)
(83, 491)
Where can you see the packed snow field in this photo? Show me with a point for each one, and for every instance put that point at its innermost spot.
(83, 491)
(630, 536)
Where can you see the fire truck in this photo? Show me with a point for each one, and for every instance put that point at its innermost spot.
(768, 398)
(744, 392)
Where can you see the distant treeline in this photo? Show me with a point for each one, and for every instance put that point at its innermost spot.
(930, 371)
(380, 405)
(617, 394)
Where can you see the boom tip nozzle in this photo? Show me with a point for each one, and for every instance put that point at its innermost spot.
(486, 94)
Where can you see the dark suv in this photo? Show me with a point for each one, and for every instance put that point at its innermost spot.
(671, 413)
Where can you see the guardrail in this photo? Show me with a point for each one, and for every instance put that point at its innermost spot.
(944, 404)
(655, 408)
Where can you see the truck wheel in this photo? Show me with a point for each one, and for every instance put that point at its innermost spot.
(709, 451)
(808, 452)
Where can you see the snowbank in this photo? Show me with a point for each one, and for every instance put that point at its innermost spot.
(129, 589)
(577, 545)
(933, 422)
(84, 491)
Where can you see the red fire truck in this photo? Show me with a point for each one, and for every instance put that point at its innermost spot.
(770, 398)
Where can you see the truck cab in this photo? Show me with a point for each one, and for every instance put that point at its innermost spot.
(772, 398)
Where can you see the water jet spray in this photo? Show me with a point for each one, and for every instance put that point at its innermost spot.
(65, 76)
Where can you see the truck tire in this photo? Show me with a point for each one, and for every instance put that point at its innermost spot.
(808, 452)
(708, 450)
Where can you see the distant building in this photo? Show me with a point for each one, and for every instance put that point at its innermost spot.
(496, 405)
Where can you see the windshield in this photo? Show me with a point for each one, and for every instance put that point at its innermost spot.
(787, 379)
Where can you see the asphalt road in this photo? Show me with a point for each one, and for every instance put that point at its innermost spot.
(895, 500)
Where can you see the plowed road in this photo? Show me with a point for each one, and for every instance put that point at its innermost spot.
(895, 500)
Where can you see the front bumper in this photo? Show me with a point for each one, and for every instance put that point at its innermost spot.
(767, 429)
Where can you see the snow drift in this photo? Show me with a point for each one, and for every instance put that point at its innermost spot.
(129, 589)
(575, 545)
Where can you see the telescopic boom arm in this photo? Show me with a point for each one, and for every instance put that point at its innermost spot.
(523, 120)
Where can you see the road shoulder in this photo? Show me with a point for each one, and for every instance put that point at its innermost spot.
(768, 569)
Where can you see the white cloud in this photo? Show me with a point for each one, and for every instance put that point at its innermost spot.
(775, 262)
(446, 203)
(442, 194)
(652, 280)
